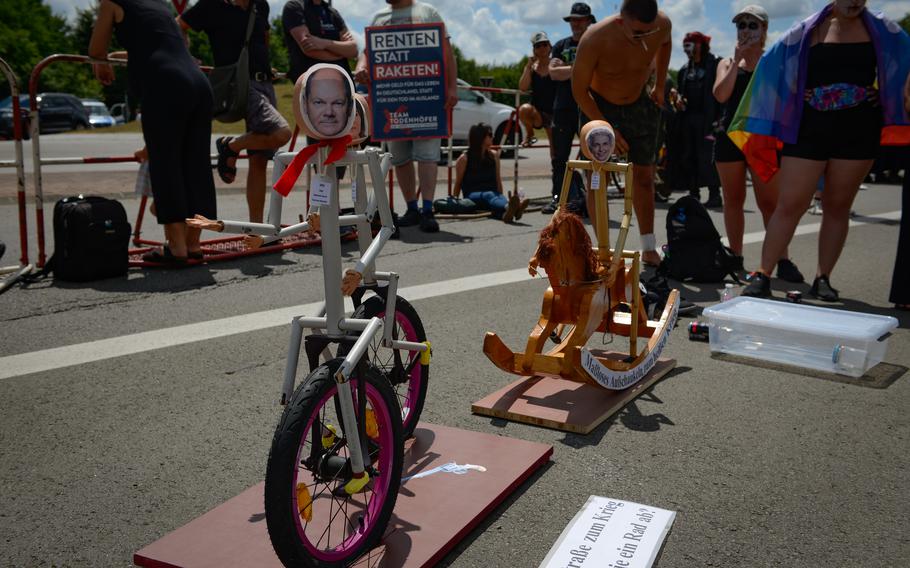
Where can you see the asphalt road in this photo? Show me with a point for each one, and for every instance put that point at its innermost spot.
(765, 466)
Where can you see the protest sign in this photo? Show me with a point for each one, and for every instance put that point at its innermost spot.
(611, 533)
(407, 71)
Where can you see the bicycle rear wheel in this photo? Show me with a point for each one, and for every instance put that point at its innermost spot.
(407, 375)
(312, 519)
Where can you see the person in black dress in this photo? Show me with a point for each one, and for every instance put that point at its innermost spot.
(176, 102)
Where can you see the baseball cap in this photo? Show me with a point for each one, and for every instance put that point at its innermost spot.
(539, 37)
(753, 10)
(580, 10)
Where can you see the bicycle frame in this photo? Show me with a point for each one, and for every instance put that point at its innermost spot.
(331, 318)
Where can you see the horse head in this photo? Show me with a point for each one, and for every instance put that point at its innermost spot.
(564, 250)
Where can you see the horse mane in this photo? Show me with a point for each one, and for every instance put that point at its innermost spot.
(571, 227)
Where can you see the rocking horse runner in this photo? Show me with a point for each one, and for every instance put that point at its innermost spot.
(335, 464)
(589, 291)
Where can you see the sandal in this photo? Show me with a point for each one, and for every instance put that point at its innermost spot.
(529, 142)
(165, 258)
(225, 172)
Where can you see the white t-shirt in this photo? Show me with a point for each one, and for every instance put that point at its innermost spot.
(416, 13)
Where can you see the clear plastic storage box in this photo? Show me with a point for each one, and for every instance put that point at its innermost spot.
(848, 343)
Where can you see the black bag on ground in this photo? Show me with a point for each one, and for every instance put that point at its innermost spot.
(694, 250)
(91, 239)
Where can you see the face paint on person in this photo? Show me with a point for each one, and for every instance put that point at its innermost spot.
(689, 48)
(748, 31)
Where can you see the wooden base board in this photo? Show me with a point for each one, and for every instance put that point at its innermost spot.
(431, 516)
(562, 404)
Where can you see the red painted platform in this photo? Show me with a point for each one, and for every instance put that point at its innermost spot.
(432, 514)
(562, 404)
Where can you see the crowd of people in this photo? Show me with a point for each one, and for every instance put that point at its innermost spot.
(770, 116)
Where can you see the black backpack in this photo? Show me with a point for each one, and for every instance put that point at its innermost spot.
(694, 250)
(91, 239)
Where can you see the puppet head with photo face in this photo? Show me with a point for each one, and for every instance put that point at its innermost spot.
(597, 141)
(324, 102)
(360, 130)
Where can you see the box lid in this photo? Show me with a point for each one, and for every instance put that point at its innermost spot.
(801, 317)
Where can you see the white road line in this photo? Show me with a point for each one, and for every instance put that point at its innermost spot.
(81, 353)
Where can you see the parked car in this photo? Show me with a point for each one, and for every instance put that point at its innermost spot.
(98, 115)
(476, 106)
(57, 112)
(6, 117)
(119, 112)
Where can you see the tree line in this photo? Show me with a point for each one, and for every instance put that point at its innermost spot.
(30, 31)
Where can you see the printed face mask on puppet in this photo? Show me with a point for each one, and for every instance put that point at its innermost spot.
(748, 32)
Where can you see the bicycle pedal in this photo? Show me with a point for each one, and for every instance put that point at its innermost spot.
(356, 484)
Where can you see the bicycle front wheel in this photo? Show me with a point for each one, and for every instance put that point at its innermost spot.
(314, 517)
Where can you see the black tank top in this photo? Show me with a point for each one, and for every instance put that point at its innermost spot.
(479, 177)
(543, 92)
(739, 89)
(852, 63)
(149, 31)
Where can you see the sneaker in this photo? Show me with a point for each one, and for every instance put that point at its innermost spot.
(550, 207)
(714, 202)
(410, 218)
(821, 289)
(816, 208)
(759, 286)
(522, 205)
(511, 208)
(428, 223)
(786, 270)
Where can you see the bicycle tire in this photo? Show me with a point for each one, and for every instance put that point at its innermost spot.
(410, 388)
(297, 459)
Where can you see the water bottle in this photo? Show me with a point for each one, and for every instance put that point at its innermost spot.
(728, 293)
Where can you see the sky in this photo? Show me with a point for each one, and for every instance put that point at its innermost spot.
(500, 31)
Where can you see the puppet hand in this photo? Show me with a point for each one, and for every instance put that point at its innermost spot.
(313, 220)
(252, 241)
(350, 282)
(200, 222)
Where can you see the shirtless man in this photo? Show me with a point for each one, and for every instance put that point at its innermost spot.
(612, 67)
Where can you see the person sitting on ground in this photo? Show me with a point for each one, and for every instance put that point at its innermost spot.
(536, 76)
(225, 24)
(477, 177)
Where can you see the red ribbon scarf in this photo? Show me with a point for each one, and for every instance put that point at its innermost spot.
(286, 182)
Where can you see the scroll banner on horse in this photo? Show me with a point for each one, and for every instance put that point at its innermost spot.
(619, 380)
(408, 77)
(611, 532)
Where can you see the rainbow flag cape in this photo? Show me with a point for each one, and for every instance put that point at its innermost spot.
(770, 111)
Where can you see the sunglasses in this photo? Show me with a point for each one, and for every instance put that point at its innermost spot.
(745, 25)
(541, 44)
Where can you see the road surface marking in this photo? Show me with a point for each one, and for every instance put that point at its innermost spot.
(82, 353)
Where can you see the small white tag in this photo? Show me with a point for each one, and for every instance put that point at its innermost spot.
(320, 190)
(595, 180)
(354, 191)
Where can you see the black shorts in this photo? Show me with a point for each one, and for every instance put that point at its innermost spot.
(725, 150)
(847, 134)
(638, 122)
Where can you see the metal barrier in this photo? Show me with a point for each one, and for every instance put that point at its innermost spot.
(19, 163)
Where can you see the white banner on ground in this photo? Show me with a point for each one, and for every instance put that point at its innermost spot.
(611, 533)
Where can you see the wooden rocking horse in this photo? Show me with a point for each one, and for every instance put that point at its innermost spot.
(589, 292)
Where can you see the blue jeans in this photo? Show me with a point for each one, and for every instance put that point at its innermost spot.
(492, 200)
